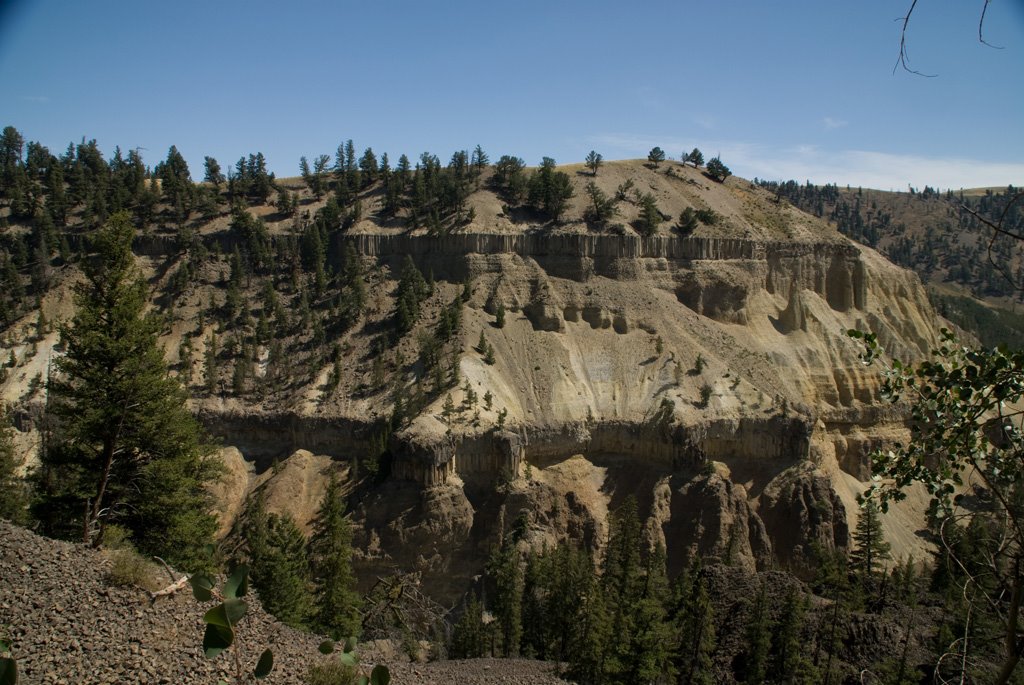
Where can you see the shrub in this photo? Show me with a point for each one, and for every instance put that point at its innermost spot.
(331, 672)
(707, 216)
(705, 394)
(130, 569)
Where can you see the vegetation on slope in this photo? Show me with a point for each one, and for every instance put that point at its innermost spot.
(268, 305)
(937, 235)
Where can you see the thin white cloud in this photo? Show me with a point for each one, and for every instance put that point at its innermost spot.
(831, 124)
(867, 168)
(873, 169)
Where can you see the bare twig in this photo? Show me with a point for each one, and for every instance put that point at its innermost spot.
(981, 25)
(166, 568)
(904, 58)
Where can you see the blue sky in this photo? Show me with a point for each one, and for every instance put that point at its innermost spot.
(794, 89)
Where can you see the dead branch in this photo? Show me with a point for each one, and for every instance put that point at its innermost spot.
(166, 567)
(904, 57)
(981, 25)
(169, 590)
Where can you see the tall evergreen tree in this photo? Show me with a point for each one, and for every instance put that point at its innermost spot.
(469, 636)
(650, 215)
(755, 662)
(505, 574)
(650, 637)
(176, 183)
(788, 663)
(696, 628)
(213, 173)
(336, 602)
(718, 170)
(13, 491)
(573, 583)
(869, 546)
(126, 448)
(550, 190)
(279, 566)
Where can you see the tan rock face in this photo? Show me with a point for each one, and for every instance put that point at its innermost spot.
(626, 366)
(800, 509)
(648, 358)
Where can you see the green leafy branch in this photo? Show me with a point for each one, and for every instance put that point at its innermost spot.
(8, 666)
(962, 418)
(223, 619)
(967, 450)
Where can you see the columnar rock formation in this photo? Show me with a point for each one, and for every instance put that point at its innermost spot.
(709, 374)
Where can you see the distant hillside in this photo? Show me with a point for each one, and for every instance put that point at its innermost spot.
(933, 234)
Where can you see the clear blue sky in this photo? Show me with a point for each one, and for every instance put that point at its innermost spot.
(793, 89)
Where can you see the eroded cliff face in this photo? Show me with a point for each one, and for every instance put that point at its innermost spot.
(709, 375)
(712, 379)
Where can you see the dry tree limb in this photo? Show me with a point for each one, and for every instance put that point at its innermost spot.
(169, 590)
(903, 60)
(981, 25)
(175, 585)
(166, 568)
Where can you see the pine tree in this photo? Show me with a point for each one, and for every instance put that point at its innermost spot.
(13, 492)
(869, 545)
(573, 581)
(469, 636)
(536, 642)
(594, 161)
(592, 637)
(448, 410)
(213, 174)
(550, 190)
(126, 448)
(696, 626)
(336, 601)
(755, 665)
(718, 170)
(788, 663)
(279, 568)
(650, 216)
(504, 572)
(650, 635)
(636, 595)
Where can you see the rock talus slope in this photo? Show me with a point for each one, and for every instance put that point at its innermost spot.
(67, 624)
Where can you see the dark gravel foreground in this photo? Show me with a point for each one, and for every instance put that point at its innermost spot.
(68, 625)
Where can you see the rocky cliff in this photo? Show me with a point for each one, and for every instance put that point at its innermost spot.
(708, 374)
